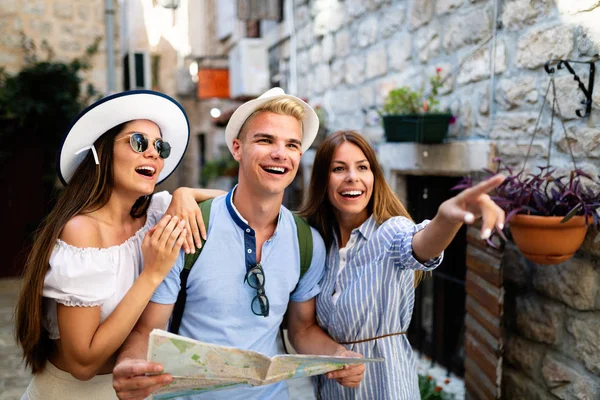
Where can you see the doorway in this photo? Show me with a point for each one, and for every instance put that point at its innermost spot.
(437, 326)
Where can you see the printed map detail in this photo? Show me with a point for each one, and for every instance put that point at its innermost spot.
(199, 367)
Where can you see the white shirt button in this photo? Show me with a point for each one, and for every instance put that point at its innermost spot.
(248, 230)
(249, 251)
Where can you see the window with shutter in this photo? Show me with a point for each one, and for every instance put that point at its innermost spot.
(257, 10)
(136, 71)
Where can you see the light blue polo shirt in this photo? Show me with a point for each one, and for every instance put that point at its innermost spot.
(218, 310)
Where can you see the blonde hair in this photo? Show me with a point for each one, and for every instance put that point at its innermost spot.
(277, 106)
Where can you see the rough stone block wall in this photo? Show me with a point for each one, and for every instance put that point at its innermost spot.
(68, 26)
(351, 53)
(552, 319)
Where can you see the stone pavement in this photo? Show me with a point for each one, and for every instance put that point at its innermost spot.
(14, 378)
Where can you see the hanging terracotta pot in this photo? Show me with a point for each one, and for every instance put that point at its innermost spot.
(544, 240)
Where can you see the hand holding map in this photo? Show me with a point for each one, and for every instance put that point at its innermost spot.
(199, 367)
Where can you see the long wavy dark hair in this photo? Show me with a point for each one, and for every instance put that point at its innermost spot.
(317, 208)
(90, 189)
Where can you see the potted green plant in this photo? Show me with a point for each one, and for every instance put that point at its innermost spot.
(548, 214)
(411, 116)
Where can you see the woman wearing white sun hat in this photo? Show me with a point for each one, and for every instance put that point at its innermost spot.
(105, 246)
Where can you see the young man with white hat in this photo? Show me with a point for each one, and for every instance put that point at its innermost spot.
(247, 275)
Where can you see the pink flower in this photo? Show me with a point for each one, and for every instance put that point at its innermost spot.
(438, 70)
(425, 106)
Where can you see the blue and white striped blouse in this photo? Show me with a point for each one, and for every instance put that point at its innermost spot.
(374, 296)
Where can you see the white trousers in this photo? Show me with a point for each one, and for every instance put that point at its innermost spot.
(55, 384)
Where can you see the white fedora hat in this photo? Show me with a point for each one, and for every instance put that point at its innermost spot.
(310, 122)
(117, 109)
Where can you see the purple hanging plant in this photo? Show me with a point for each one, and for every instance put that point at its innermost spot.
(544, 193)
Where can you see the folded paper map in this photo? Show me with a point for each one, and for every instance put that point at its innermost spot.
(199, 367)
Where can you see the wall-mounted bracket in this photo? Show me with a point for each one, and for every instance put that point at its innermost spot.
(587, 91)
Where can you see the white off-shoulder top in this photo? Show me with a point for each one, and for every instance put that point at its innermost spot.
(89, 277)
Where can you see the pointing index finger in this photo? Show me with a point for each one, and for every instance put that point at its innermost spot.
(483, 187)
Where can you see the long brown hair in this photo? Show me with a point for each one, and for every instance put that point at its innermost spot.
(89, 189)
(317, 209)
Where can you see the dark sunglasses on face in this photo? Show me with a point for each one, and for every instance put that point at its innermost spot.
(139, 144)
(256, 279)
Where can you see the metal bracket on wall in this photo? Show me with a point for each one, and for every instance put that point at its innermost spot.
(586, 91)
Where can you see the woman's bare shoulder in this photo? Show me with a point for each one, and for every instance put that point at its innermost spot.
(82, 231)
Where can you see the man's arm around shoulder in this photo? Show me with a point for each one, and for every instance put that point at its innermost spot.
(129, 375)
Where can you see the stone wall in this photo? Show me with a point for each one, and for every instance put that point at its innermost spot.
(552, 326)
(68, 26)
(350, 53)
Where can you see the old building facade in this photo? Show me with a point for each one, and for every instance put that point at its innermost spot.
(68, 28)
(532, 332)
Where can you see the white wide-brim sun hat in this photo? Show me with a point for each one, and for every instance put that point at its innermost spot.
(116, 109)
(310, 122)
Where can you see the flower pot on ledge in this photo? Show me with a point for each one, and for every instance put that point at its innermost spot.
(421, 128)
(545, 240)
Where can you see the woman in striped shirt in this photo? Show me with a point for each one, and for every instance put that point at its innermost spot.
(376, 256)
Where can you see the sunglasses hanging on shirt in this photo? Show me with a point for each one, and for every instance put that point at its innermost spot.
(256, 280)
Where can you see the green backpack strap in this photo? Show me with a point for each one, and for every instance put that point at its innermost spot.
(188, 263)
(190, 259)
(305, 243)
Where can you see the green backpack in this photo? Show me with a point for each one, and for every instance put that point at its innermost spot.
(306, 252)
